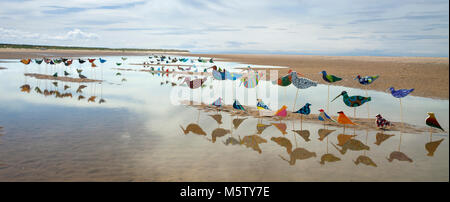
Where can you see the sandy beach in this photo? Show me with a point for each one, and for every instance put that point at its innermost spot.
(427, 75)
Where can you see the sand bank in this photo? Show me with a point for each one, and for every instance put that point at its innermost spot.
(67, 79)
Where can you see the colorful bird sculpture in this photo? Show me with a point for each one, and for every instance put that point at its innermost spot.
(381, 122)
(284, 80)
(300, 83)
(432, 121)
(401, 93)
(353, 101)
(91, 60)
(281, 112)
(324, 116)
(367, 79)
(305, 110)
(261, 105)
(25, 61)
(329, 78)
(218, 102)
(238, 105)
(344, 120)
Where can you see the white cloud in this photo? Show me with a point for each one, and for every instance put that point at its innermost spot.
(317, 27)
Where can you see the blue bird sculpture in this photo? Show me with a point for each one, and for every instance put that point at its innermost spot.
(305, 110)
(401, 93)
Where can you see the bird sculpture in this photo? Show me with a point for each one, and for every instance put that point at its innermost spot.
(66, 73)
(281, 112)
(91, 60)
(401, 93)
(284, 80)
(367, 79)
(81, 61)
(381, 122)
(82, 76)
(329, 78)
(218, 102)
(344, 120)
(432, 122)
(261, 105)
(25, 61)
(118, 63)
(300, 83)
(305, 110)
(353, 101)
(55, 74)
(38, 61)
(238, 105)
(323, 116)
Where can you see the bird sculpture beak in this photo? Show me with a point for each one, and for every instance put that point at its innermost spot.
(336, 97)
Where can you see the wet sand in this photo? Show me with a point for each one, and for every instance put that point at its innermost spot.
(68, 79)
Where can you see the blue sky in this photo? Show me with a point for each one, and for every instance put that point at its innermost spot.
(319, 27)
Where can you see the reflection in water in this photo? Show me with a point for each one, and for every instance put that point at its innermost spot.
(261, 127)
(237, 122)
(365, 160)
(432, 146)
(25, 88)
(232, 141)
(343, 138)
(80, 88)
(381, 137)
(219, 132)
(281, 127)
(328, 158)
(284, 142)
(324, 133)
(253, 142)
(217, 117)
(300, 154)
(194, 128)
(304, 134)
(352, 144)
(399, 156)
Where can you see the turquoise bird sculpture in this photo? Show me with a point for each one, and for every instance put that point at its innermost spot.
(353, 101)
(329, 78)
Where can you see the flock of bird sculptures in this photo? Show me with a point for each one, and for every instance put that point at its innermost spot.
(250, 79)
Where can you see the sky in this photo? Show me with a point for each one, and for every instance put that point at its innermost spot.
(314, 27)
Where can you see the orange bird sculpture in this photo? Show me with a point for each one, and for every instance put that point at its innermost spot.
(343, 119)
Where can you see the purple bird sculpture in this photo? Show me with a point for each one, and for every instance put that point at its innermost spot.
(401, 93)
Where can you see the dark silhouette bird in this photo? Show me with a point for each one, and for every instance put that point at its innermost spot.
(55, 74)
(66, 73)
(82, 76)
